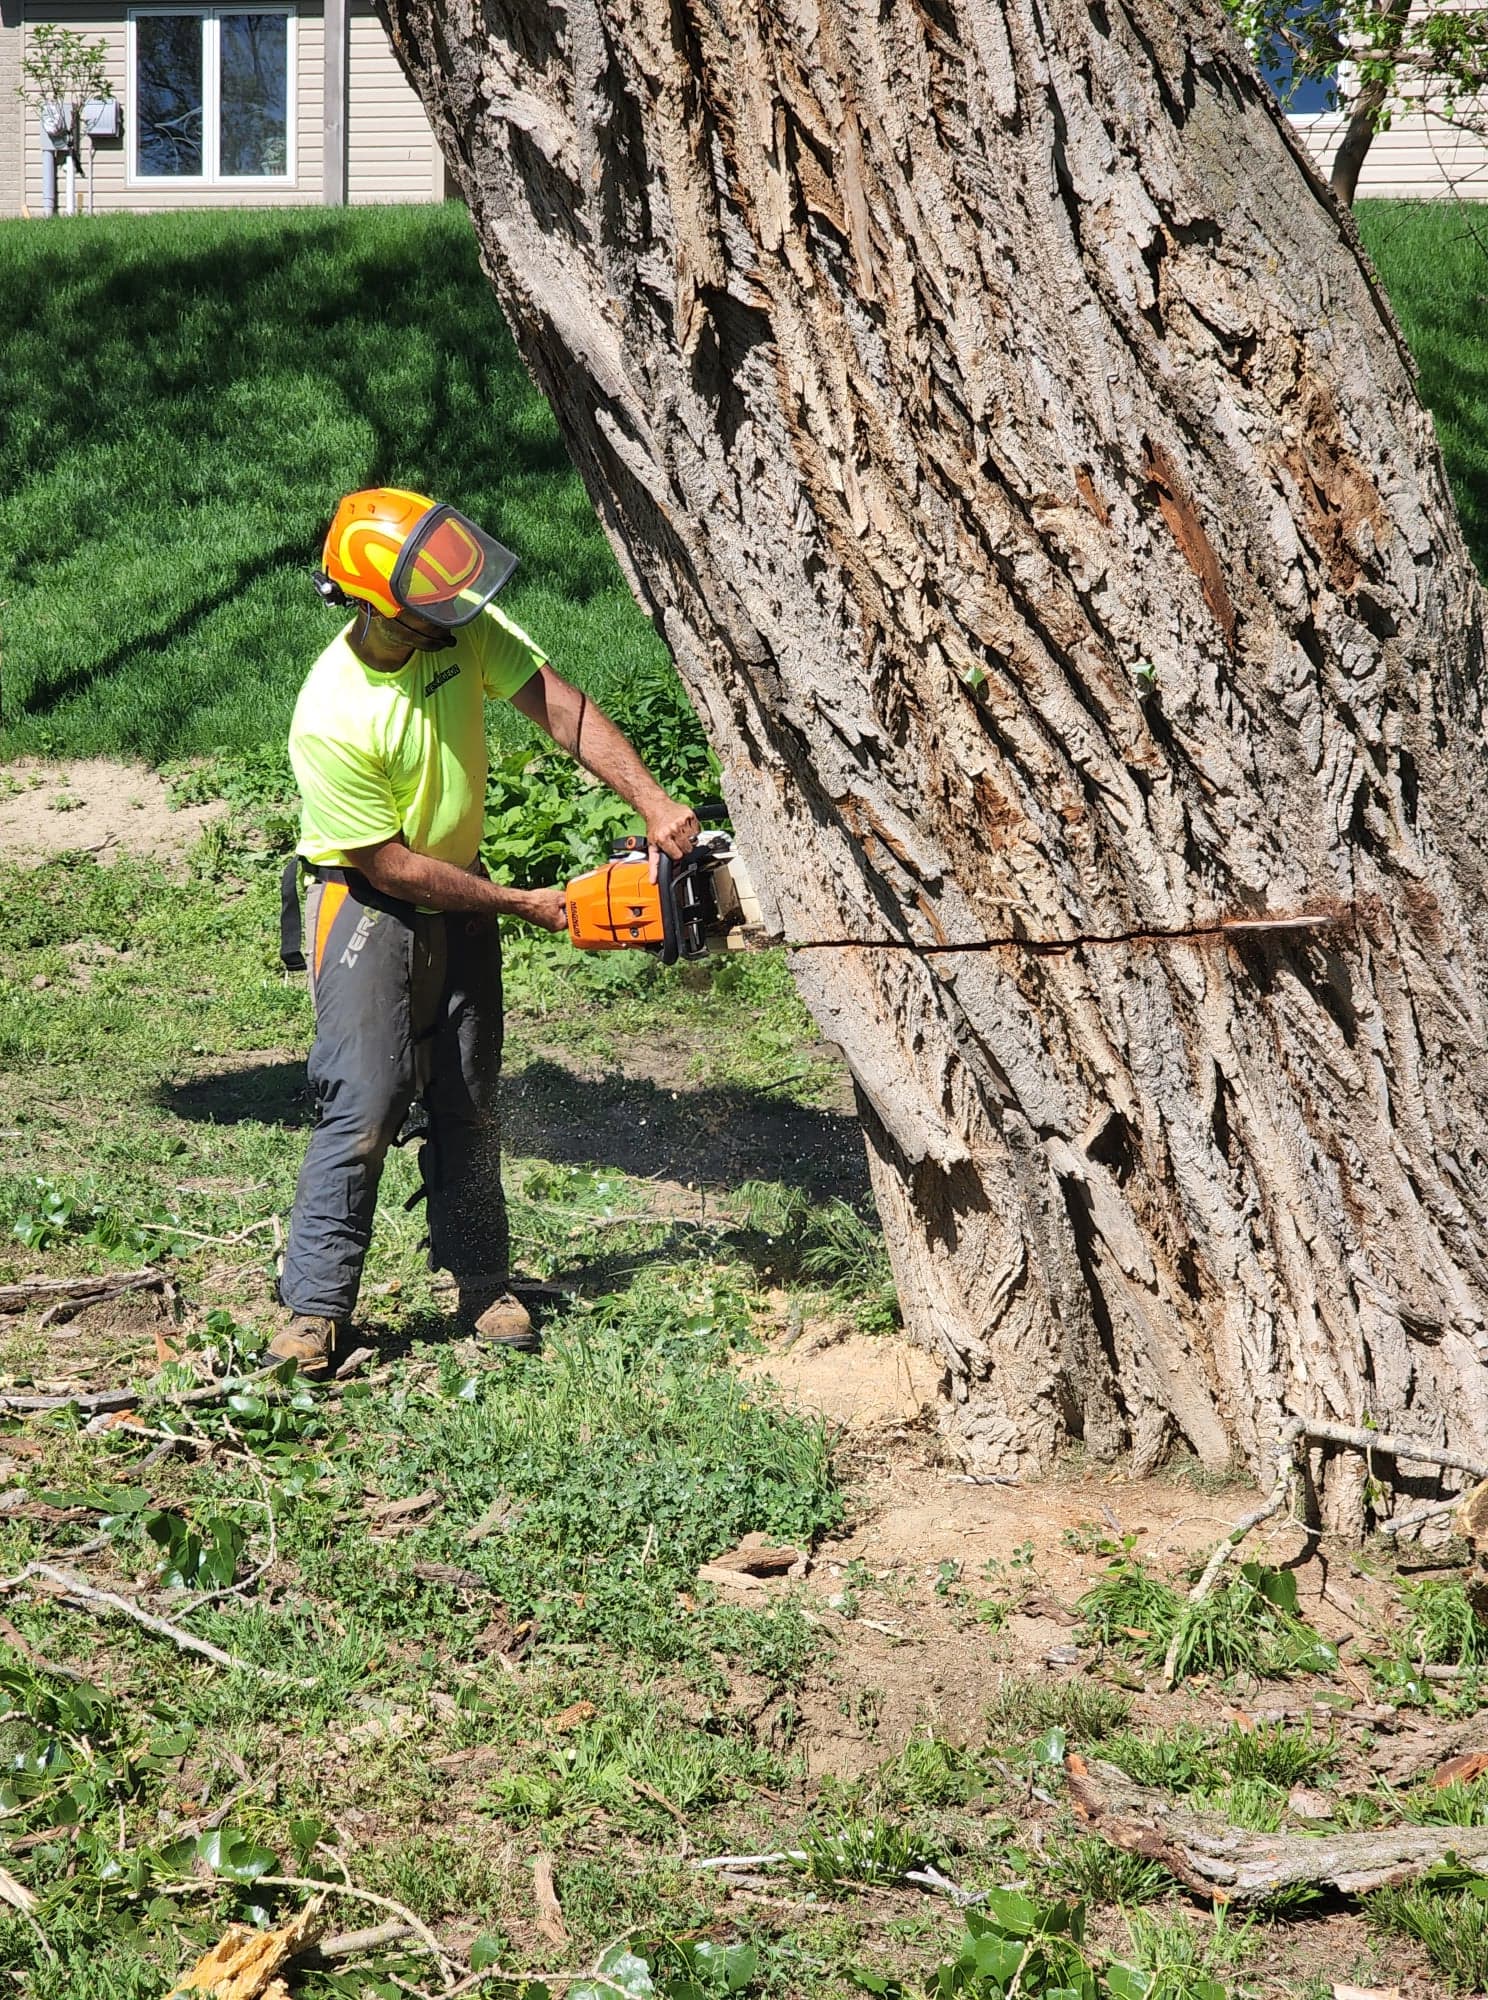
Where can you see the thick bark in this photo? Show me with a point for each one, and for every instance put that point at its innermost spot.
(1230, 1864)
(1001, 424)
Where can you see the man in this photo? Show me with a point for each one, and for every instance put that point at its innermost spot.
(388, 744)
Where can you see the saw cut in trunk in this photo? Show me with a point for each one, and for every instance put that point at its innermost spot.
(1003, 427)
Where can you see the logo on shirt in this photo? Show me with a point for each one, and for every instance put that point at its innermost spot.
(448, 674)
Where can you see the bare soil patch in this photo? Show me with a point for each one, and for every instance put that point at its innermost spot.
(97, 806)
(858, 1383)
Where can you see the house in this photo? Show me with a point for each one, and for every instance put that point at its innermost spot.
(260, 103)
(1418, 156)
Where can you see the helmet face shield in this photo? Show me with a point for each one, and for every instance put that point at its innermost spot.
(448, 570)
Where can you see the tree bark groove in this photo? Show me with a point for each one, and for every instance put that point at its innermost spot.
(1004, 429)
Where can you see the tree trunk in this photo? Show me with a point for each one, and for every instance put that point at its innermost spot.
(1364, 113)
(1000, 422)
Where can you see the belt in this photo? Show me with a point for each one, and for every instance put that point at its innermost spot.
(291, 923)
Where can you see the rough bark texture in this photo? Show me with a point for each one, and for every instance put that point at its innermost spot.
(997, 416)
(1230, 1864)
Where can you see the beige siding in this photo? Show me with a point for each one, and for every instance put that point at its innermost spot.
(112, 188)
(391, 154)
(1418, 157)
(12, 115)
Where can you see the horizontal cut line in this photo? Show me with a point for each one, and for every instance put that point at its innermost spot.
(1223, 927)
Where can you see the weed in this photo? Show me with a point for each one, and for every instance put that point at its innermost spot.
(848, 1852)
(1249, 1624)
(1179, 1960)
(1178, 1760)
(1453, 1805)
(928, 1773)
(1095, 1872)
(1248, 1802)
(1130, 1607)
(1085, 1711)
(1442, 1629)
(1281, 1755)
(1453, 1928)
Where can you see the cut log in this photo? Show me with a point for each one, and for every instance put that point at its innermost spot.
(1230, 1864)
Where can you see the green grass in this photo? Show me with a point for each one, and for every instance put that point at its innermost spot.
(1433, 258)
(184, 399)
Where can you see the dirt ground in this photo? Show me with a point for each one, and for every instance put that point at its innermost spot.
(94, 806)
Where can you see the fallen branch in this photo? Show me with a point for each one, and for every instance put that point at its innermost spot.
(416, 1928)
(1403, 1523)
(545, 1895)
(919, 1878)
(1230, 1864)
(105, 1601)
(1316, 1430)
(96, 1401)
(1286, 1465)
(1392, 1447)
(352, 1944)
(32, 1291)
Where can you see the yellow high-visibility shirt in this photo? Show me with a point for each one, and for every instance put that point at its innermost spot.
(376, 755)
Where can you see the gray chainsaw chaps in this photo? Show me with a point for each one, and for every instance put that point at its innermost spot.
(406, 1005)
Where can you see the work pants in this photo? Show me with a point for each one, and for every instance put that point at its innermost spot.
(406, 1005)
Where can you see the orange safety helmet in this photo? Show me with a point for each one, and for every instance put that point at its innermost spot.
(396, 551)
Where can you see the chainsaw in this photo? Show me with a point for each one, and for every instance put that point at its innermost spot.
(700, 904)
(705, 903)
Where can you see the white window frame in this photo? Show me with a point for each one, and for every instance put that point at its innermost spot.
(211, 174)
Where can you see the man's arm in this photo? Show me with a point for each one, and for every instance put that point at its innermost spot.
(581, 727)
(392, 867)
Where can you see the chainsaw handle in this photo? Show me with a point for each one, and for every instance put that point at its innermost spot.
(671, 942)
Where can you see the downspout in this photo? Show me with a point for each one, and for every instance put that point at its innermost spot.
(337, 76)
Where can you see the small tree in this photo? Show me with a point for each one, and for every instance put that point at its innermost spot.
(62, 71)
(1428, 55)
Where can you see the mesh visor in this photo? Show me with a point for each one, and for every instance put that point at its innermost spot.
(449, 569)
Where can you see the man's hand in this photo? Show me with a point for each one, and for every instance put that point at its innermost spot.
(545, 908)
(673, 829)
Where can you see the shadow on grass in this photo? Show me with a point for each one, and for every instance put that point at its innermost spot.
(714, 1136)
(273, 1093)
(167, 468)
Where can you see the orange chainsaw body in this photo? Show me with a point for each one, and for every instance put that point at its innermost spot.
(617, 907)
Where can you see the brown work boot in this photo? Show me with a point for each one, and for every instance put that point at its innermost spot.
(498, 1320)
(305, 1339)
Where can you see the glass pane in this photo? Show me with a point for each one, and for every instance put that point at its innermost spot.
(168, 93)
(255, 93)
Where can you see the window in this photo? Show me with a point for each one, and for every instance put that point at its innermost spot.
(213, 94)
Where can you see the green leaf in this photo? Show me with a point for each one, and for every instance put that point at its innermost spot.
(1050, 1747)
(1277, 1586)
(629, 1971)
(996, 1958)
(1127, 1982)
(1014, 1914)
(484, 1953)
(734, 1964)
(231, 1853)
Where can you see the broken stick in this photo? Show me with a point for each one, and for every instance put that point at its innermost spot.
(1230, 1864)
(33, 1291)
(72, 1588)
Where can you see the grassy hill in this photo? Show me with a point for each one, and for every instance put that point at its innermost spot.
(185, 397)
